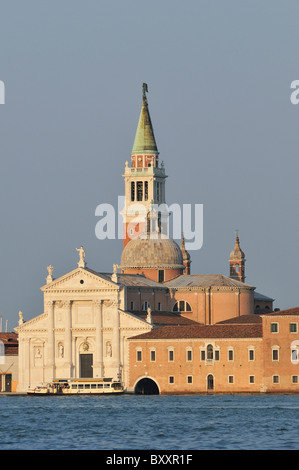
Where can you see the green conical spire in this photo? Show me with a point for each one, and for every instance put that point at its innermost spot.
(144, 139)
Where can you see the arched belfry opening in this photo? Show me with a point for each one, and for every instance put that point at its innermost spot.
(146, 386)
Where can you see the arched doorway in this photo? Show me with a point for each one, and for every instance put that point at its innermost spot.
(210, 382)
(146, 386)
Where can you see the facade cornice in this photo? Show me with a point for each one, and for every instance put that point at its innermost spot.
(188, 340)
(80, 291)
(211, 289)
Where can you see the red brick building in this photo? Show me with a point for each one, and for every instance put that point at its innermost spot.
(248, 354)
(8, 362)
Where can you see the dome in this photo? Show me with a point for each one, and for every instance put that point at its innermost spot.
(158, 252)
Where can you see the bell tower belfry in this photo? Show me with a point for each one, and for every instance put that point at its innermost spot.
(144, 179)
(237, 262)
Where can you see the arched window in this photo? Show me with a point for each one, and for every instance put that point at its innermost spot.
(209, 352)
(210, 382)
(182, 306)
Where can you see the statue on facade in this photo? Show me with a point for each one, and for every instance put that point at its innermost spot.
(50, 271)
(114, 276)
(60, 350)
(108, 349)
(81, 263)
(38, 353)
(115, 266)
(149, 318)
(21, 318)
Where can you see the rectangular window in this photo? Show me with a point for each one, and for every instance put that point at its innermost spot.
(230, 379)
(171, 355)
(153, 355)
(161, 275)
(189, 379)
(251, 354)
(274, 327)
(294, 379)
(275, 355)
(203, 355)
(230, 355)
(189, 355)
(159, 306)
(275, 379)
(171, 379)
(145, 190)
(293, 328)
(139, 356)
(132, 191)
(251, 379)
(217, 355)
(158, 191)
(132, 305)
(139, 190)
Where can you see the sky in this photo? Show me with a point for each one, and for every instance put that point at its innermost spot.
(218, 75)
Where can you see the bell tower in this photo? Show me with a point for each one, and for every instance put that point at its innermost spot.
(237, 261)
(144, 179)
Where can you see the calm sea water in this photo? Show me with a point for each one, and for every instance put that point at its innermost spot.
(173, 422)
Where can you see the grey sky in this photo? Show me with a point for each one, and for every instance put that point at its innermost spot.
(219, 76)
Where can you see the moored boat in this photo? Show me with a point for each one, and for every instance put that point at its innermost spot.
(61, 387)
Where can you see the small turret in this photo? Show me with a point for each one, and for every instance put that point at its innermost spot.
(237, 261)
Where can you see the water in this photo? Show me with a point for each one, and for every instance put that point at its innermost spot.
(216, 422)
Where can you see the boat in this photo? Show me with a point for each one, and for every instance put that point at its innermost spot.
(59, 387)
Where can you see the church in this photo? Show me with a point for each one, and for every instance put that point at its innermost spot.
(90, 316)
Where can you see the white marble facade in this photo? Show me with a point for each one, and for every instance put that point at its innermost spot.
(84, 314)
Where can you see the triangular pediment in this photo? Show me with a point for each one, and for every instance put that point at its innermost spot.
(81, 279)
(38, 323)
(133, 320)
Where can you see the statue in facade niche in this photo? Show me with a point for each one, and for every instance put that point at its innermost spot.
(108, 349)
(61, 350)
